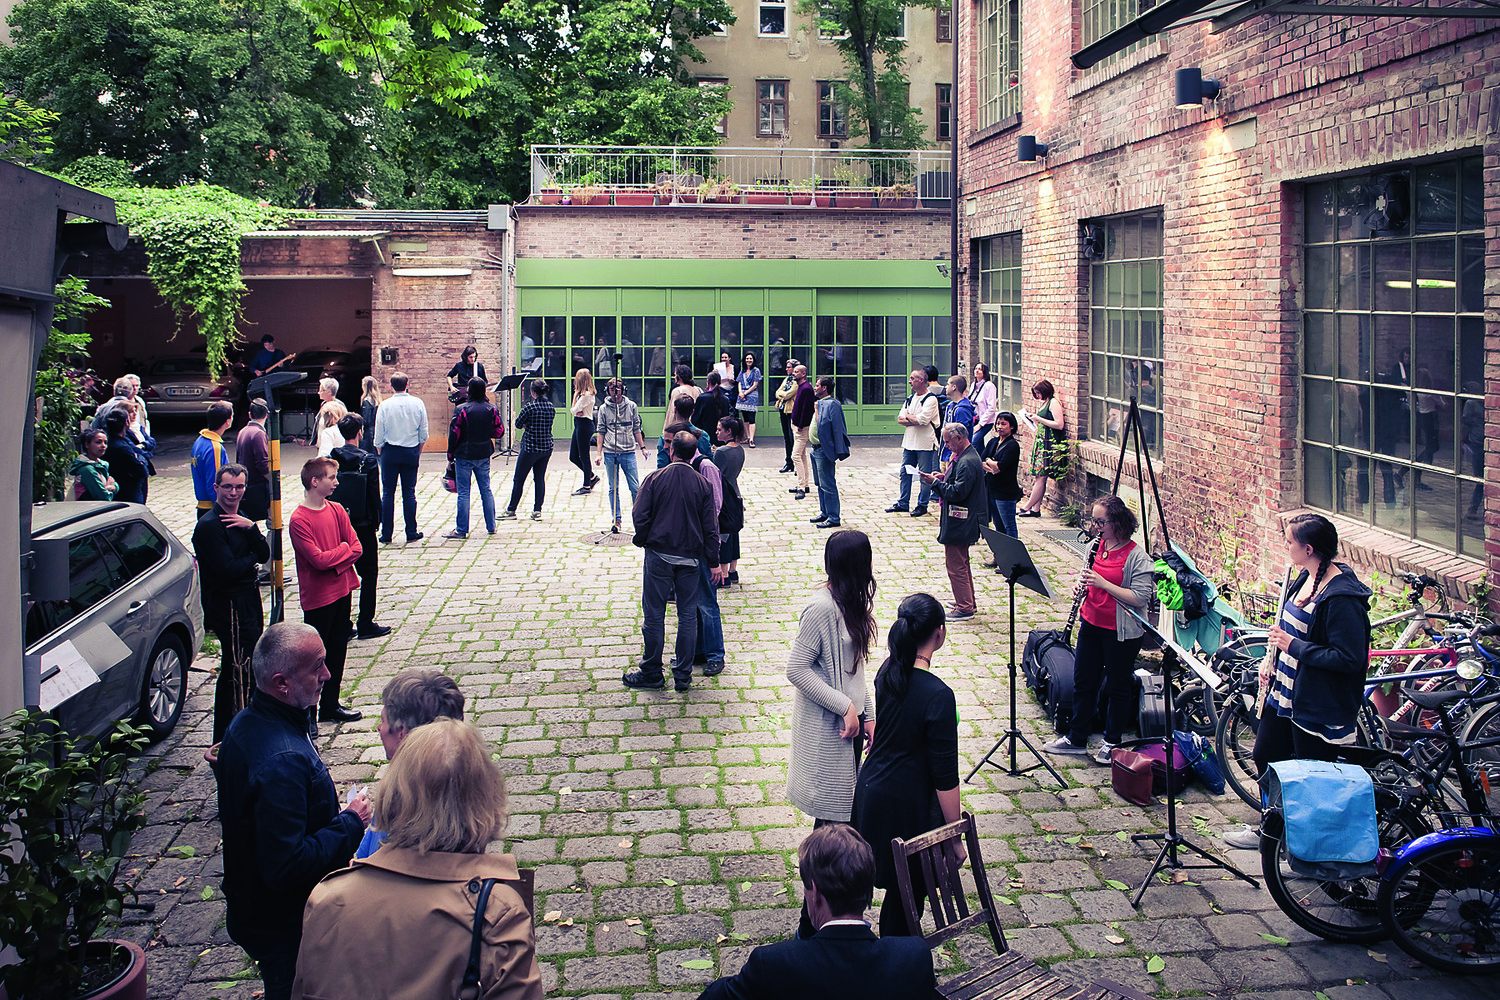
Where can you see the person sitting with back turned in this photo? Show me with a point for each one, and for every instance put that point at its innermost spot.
(844, 956)
(411, 699)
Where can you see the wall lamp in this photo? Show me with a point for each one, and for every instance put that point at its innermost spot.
(1028, 149)
(1192, 90)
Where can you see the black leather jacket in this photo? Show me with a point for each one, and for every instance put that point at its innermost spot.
(283, 827)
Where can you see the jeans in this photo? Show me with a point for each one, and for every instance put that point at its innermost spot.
(278, 968)
(828, 489)
(1103, 679)
(926, 461)
(578, 448)
(960, 576)
(658, 579)
(614, 464)
(534, 462)
(397, 461)
(480, 467)
(710, 643)
(1004, 512)
(332, 624)
(800, 461)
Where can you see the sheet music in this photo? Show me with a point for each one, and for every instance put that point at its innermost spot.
(73, 675)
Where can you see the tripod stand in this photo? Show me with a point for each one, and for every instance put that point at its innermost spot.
(508, 385)
(1171, 841)
(1012, 560)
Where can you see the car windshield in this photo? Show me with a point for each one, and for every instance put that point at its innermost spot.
(180, 366)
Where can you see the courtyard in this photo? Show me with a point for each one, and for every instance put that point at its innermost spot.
(657, 823)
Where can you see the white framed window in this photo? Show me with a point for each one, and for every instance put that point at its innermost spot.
(833, 118)
(770, 108)
(771, 19)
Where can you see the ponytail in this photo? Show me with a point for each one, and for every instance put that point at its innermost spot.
(917, 618)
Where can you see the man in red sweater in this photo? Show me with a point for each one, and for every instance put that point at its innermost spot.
(327, 549)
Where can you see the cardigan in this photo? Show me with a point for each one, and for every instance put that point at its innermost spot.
(821, 773)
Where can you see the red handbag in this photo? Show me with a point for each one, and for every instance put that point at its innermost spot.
(1131, 775)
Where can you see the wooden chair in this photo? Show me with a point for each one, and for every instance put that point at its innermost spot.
(933, 855)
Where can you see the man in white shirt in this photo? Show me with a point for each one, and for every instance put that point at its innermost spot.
(922, 419)
(400, 430)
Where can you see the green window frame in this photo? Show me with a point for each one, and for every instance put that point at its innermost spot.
(1392, 355)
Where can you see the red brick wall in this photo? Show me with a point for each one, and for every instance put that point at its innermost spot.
(729, 233)
(1328, 96)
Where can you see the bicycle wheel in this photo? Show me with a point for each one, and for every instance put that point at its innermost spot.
(1443, 906)
(1341, 910)
(1485, 725)
(1235, 740)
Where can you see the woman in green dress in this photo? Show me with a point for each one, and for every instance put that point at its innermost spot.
(1049, 453)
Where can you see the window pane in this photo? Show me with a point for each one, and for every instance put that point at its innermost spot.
(773, 19)
(1471, 355)
(1471, 274)
(1353, 483)
(1393, 276)
(1354, 415)
(1393, 349)
(1435, 277)
(1318, 420)
(1472, 209)
(1354, 347)
(1392, 421)
(1317, 476)
(1436, 501)
(138, 546)
(1392, 511)
(1319, 209)
(92, 571)
(1319, 278)
(1437, 197)
(1317, 344)
(1354, 277)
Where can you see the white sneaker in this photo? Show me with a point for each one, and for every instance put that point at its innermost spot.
(1063, 745)
(1246, 838)
(1102, 754)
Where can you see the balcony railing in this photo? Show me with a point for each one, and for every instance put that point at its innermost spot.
(685, 175)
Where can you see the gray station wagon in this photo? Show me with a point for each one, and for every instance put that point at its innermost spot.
(123, 590)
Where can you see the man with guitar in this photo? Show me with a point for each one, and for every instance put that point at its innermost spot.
(268, 358)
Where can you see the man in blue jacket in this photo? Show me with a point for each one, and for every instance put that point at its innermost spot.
(830, 446)
(278, 807)
(844, 957)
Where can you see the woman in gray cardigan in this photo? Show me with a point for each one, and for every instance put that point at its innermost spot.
(833, 711)
(1109, 637)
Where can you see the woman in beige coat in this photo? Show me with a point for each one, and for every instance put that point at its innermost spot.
(400, 923)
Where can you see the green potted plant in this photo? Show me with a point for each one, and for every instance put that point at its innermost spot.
(70, 809)
(898, 196)
(802, 191)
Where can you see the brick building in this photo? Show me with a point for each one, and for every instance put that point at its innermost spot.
(1277, 272)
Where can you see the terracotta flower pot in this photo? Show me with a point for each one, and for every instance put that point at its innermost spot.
(129, 983)
(635, 198)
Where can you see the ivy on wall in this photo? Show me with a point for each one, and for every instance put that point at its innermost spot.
(192, 240)
(62, 375)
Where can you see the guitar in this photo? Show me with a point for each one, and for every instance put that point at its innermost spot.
(288, 358)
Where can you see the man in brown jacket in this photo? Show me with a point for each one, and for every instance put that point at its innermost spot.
(677, 524)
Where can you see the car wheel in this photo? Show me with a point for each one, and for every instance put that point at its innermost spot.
(165, 689)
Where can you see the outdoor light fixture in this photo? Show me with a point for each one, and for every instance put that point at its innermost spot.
(1028, 149)
(1192, 90)
(431, 272)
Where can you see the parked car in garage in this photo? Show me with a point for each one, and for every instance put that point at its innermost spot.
(122, 596)
(348, 365)
(182, 387)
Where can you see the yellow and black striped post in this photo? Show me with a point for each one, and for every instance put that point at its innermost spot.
(266, 386)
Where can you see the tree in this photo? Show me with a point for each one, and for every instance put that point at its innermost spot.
(25, 131)
(877, 90)
(231, 92)
(62, 375)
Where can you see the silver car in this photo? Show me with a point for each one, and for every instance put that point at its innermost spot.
(183, 386)
(132, 611)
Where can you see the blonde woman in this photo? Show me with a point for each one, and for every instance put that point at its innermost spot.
(369, 402)
(329, 414)
(412, 903)
(584, 399)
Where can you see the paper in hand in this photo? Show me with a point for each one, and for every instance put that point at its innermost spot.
(911, 470)
(1026, 421)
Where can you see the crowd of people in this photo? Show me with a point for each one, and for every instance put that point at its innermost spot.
(305, 872)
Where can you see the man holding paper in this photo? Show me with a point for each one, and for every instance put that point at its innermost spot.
(922, 419)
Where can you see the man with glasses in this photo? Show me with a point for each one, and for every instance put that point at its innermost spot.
(617, 436)
(229, 549)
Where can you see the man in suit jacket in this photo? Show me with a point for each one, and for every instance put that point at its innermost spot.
(965, 508)
(844, 957)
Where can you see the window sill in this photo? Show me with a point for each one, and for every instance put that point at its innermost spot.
(1003, 125)
(1391, 555)
(1096, 75)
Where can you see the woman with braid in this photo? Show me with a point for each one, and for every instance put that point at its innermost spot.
(1321, 650)
(910, 783)
(833, 711)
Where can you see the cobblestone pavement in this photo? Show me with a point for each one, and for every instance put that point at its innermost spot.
(658, 823)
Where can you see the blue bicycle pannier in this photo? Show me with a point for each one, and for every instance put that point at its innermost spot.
(1328, 815)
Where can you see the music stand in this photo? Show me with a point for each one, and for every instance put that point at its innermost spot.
(270, 386)
(508, 384)
(1014, 563)
(1172, 840)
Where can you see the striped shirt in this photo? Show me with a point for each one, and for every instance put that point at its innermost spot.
(1297, 622)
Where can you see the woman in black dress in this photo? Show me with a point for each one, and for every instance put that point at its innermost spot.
(909, 784)
(465, 368)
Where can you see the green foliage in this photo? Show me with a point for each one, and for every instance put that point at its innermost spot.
(73, 807)
(877, 91)
(192, 240)
(181, 91)
(25, 131)
(99, 172)
(61, 374)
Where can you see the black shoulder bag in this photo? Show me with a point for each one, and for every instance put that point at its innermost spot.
(469, 988)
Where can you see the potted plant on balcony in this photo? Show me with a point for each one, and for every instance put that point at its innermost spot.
(71, 808)
(552, 195)
(767, 193)
(634, 197)
(802, 191)
(898, 196)
(589, 194)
